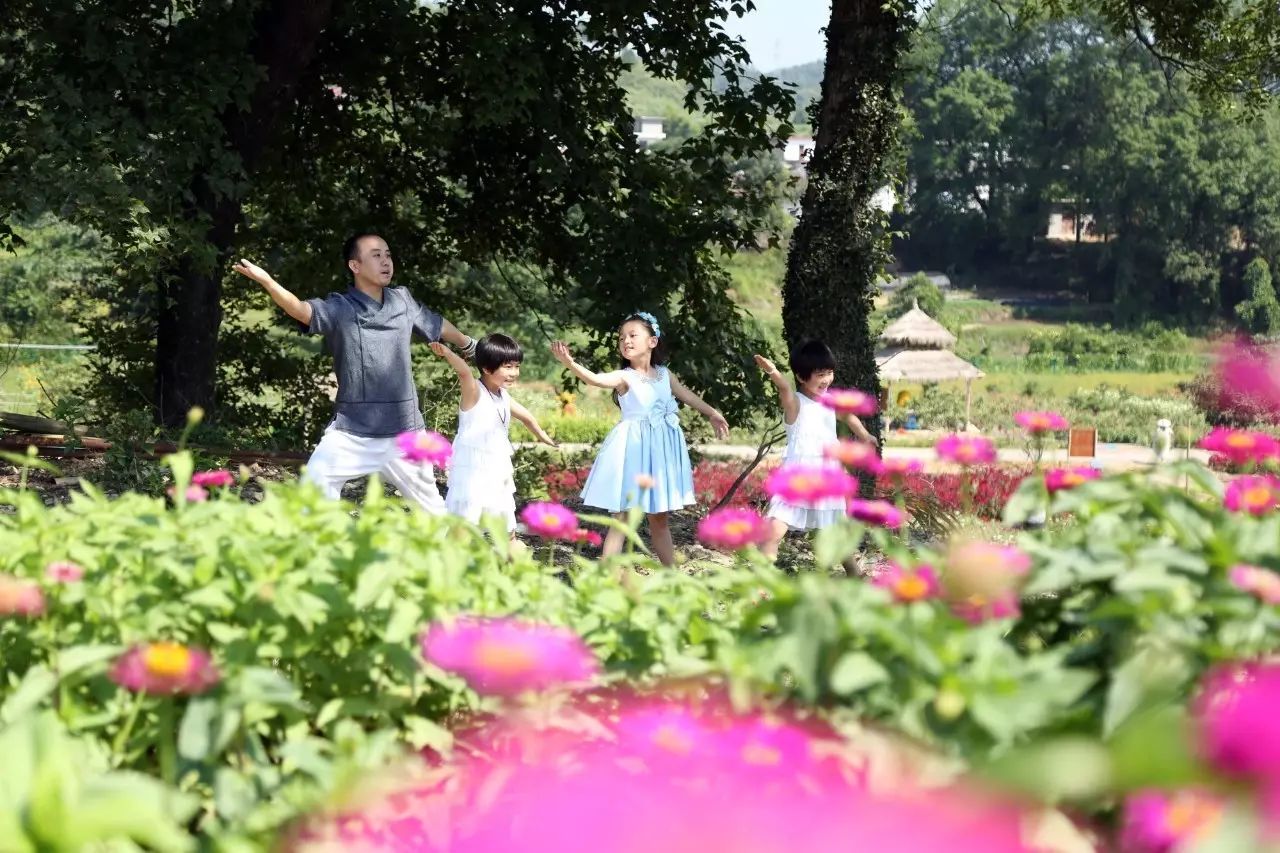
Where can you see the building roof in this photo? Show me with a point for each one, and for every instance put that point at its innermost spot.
(898, 364)
(916, 329)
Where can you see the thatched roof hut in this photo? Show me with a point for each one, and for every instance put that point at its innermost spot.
(917, 348)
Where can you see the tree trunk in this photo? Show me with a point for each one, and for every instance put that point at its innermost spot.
(840, 244)
(287, 34)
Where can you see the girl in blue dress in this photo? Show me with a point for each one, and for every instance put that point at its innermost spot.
(644, 461)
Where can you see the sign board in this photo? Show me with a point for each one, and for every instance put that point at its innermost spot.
(1082, 441)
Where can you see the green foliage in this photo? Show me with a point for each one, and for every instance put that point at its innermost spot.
(39, 279)
(917, 290)
(1260, 312)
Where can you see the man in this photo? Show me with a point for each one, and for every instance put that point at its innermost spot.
(368, 330)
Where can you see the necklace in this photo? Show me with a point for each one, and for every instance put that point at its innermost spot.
(497, 404)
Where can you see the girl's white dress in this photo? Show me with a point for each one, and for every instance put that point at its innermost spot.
(814, 428)
(648, 440)
(481, 476)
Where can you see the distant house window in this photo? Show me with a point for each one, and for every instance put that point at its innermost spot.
(650, 129)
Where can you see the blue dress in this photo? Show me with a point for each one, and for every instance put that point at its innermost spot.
(648, 440)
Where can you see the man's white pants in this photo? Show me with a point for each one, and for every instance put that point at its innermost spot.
(341, 456)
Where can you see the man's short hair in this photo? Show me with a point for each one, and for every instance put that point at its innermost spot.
(351, 248)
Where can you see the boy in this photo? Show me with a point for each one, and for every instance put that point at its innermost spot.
(368, 330)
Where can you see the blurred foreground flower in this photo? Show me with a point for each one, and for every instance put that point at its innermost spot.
(505, 657)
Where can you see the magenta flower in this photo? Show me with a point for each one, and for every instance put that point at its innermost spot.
(734, 528)
(1038, 423)
(505, 657)
(1262, 583)
(1249, 377)
(899, 468)
(194, 494)
(165, 668)
(219, 478)
(849, 401)
(808, 484)
(550, 520)
(966, 450)
(20, 597)
(1059, 479)
(425, 446)
(878, 513)
(908, 585)
(1236, 720)
(589, 537)
(859, 455)
(1160, 822)
(64, 572)
(977, 608)
(1240, 446)
(1254, 494)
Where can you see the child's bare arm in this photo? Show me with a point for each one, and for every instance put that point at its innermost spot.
(855, 424)
(614, 379)
(526, 417)
(470, 385)
(693, 401)
(290, 304)
(786, 394)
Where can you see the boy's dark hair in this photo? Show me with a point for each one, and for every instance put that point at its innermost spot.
(493, 351)
(659, 354)
(351, 248)
(810, 358)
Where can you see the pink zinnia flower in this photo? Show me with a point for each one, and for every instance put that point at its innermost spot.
(1263, 583)
(194, 494)
(1254, 494)
(1038, 423)
(1159, 822)
(966, 450)
(644, 481)
(1058, 479)
(908, 585)
(860, 455)
(425, 446)
(1240, 446)
(1236, 717)
(550, 520)
(165, 668)
(213, 479)
(1249, 376)
(880, 513)
(898, 467)
(977, 608)
(504, 657)
(733, 527)
(64, 572)
(808, 484)
(20, 597)
(589, 537)
(849, 401)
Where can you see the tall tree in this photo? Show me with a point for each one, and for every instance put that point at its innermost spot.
(469, 130)
(839, 247)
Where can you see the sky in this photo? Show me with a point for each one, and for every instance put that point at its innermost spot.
(781, 33)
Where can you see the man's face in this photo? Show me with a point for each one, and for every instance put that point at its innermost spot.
(372, 263)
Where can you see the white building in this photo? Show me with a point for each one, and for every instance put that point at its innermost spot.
(650, 129)
(798, 150)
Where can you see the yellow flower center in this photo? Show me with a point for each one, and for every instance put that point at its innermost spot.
(504, 658)
(1240, 441)
(1071, 479)
(672, 740)
(759, 754)
(911, 587)
(804, 482)
(1258, 497)
(166, 660)
(551, 521)
(1190, 816)
(737, 528)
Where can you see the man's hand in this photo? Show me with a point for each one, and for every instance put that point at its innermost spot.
(253, 271)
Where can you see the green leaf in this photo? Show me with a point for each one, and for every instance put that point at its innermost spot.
(374, 581)
(837, 543)
(856, 671)
(426, 733)
(36, 686)
(406, 617)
